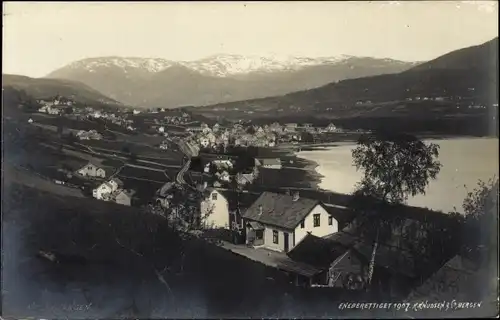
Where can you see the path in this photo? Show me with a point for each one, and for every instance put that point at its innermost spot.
(180, 175)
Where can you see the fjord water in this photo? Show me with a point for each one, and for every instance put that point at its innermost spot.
(464, 160)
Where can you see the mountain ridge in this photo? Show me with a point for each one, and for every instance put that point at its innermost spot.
(220, 65)
(458, 79)
(144, 82)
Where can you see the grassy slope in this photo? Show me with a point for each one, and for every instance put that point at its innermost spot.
(47, 88)
(211, 281)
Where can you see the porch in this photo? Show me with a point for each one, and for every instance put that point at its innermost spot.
(254, 233)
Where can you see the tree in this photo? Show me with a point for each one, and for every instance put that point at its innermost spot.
(394, 167)
(183, 211)
(480, 224)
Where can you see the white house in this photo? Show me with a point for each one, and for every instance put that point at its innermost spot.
(92, 170)
(204, 142)
(54, 111)
(124, 197)
(101, 191)
(205, 128)
(30, 120)
(278, 222)
(331, 128)
(115, 183)
(224, 176)
(214, 210)
(136, 111)
(106, 188)
(270, 163)
(161, 129)
(223, 163)
(164, 146)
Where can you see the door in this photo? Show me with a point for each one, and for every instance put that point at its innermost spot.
(285, 234)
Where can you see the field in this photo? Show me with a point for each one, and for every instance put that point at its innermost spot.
(142, 151)
(153, 175)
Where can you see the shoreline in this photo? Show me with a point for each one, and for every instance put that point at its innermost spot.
(447, 177)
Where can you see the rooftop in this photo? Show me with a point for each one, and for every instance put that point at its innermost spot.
(241, 200)
(280, 210)
(270, 161)
(316, 251)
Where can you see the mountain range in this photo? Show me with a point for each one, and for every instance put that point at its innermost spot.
(469, 73)
(156, 82)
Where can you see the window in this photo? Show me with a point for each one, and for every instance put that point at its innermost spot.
(214, 196)
(259, 234)
(316, 220)
(302, 224)
(275, 236)
(330, 220)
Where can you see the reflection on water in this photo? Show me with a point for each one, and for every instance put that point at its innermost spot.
(465, 161)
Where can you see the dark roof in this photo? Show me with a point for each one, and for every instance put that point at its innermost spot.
(280, 210)
(298, 267)
(396, 260)
(256, 225)
(342, 214)
(241, 200)
(317, 252)
(345, 237)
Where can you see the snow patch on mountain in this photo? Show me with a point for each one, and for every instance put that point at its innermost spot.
(227, 64)
(147, 64)
(220, 65)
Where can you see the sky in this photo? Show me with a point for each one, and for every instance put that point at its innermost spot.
(40, 37)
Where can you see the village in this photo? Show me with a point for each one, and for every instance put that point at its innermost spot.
(145, 159)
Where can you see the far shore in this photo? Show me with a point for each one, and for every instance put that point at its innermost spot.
(289, 154)
(325, 145)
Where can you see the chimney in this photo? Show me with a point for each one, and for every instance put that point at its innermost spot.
(260, 209)
(295, 196)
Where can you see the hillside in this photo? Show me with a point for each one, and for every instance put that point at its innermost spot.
(221, 78)
(458, 79)
(41, 88)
